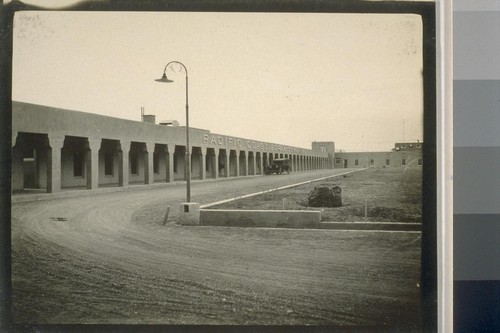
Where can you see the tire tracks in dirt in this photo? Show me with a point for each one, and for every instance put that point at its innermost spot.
(87, 260)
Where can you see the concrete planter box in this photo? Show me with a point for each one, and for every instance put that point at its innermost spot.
(260, 218)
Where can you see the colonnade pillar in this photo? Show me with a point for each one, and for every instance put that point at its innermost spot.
(237, 163)
(149, 163)
(123, 171)
(216, 163)
(254, 162)
(164, 153)
(261, 163)
(228, 157)
(54, 163)
(170, 162)
(17, 164)
(246, 163)
(92, 162)
(203, 164)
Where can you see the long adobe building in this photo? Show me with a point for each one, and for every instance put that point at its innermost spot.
(55, 149)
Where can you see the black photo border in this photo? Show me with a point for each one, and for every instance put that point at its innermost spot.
(429, 262)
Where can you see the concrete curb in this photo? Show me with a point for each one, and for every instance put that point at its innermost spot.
(389, 226)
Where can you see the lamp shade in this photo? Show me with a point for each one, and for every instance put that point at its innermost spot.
(164, 79)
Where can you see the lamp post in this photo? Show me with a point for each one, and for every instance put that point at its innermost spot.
(164, 79)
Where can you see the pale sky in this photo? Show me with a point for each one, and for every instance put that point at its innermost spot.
(354, 79)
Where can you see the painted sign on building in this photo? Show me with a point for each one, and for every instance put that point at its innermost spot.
(227, 141)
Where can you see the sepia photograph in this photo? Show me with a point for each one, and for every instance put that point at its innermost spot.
(223, 167)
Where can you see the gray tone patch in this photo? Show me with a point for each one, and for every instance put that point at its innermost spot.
(476, 252)
(476, 180)
(476, 5)
(476, 113)
(476, 45)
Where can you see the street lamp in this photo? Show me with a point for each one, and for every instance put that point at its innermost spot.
(164, 79)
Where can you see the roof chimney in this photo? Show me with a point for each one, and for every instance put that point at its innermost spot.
(147, 118)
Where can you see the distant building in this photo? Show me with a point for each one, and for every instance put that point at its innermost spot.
(407, 146)
(407, 155)
(325, 147)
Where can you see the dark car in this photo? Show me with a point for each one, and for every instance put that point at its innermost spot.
(278, 166)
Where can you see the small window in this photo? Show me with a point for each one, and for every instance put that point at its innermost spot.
(387, 161)
(156, 163)
(372, 162)
(78, 164)
(338, 160)
(403, 146)
(108, 164)
(134, 164)
(403, 161)
(419, 161)
(356, 162)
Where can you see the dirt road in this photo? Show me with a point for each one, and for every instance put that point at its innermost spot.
(106, 258)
